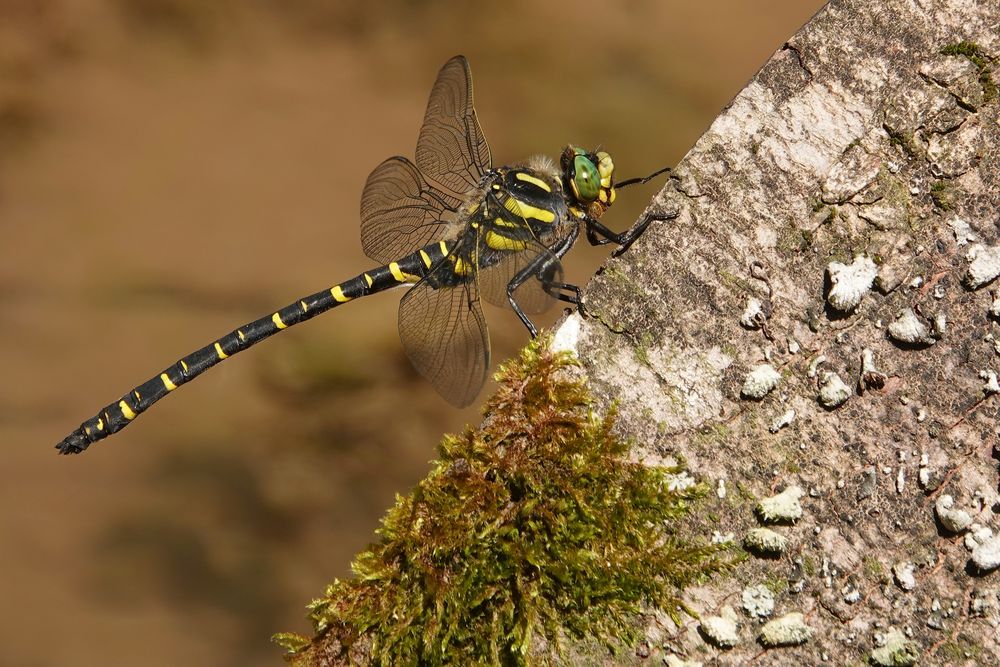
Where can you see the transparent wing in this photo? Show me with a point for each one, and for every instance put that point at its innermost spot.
(530, 296)
(452, 150)
(400, 211)
(445, 336)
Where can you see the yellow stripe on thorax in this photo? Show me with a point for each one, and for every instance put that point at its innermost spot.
(525, 210)
(501, 242)
(426, 258)
(444, 247)
(537, 182)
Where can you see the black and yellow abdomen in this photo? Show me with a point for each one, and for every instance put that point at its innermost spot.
(116, 416)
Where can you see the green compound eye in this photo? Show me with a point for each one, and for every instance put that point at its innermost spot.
(586, 178)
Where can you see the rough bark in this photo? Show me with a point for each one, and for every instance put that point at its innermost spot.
(857, 138)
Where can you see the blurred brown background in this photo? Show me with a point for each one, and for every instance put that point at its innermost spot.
(170, 169)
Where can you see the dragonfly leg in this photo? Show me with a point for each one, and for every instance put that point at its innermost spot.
(522, 276)
(543, 268)
(598, 234)
(564, 292)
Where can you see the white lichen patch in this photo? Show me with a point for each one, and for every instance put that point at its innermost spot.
(760, 381)
(783, 507)
(984, 265)
(963, 233)
(782, 420)
(992, 385)
(977, 536)
(765, 542)
(680, 481)
(814, 365)
(721, 631)
(871, 376)
(995, 306)
(940, 325)
(849, 283)
(952, 520)
(986, 556)
(789, 630)
(903, 573)
(673, 661)
(753, 316)
(567, 335)
(833, 392)
(895, 650)
(758, 601)
(909, 329)
(851, 593)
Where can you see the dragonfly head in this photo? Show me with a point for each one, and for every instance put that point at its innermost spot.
(588, 179)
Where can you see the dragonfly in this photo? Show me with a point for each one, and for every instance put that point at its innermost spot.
(453, 229)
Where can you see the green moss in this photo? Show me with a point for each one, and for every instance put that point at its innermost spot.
(642, 348)
(532, 528)
(983, 62)
(792, 239)
(941, 195)
(733, 281)
(961, 648)
(873, 567)
(710, 435)
(904, 140)
(831, 216)
(777, 584)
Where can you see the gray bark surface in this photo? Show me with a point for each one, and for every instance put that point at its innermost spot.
(857, 139)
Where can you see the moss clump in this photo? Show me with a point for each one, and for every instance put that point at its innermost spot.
(983, 62)
(941, 194)
(530, 529)
(904, 140)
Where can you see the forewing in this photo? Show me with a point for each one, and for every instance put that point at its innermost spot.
(445, 336)
(530, 296)
(401, 212)
(452, 150)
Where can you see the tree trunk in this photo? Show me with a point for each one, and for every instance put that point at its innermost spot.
(871, 140)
